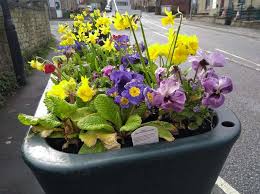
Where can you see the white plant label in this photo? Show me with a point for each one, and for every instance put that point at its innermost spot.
(145, 135)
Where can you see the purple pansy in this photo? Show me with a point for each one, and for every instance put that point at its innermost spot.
(121, 42)
(169, 96)
(107, 70)
(159, 74)
(202, 60)
(215, 88)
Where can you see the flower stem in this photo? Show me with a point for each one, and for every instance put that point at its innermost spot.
(145, 42)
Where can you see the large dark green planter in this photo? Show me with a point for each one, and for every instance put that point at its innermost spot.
(186, 166)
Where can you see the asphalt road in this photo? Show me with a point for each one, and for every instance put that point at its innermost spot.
(241, 47)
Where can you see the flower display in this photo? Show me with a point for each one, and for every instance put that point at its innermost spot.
(105, 86)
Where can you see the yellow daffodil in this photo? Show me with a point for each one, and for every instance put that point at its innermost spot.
(193, 44)
(169, 19)
(36, 65)
(92, 38)
(85, 92)
(109, 45)
(154, 51)
(119, 21)
(181, 54)
(89, 26)
(79, 17)
(68, 39)
(105, 30)
(62, 28)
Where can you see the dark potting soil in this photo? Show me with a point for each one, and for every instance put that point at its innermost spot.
(207, 125)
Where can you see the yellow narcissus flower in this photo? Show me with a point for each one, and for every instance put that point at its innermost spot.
(68, 39)
(154, 51)
(169, 19)
(36, 65)
(89, 26)
(79, 17)
(181, 54)
(193, 44)
(105, 30)
(62, 28)
(119, 21)
(109, 45)
(85, 92)
(92, 38)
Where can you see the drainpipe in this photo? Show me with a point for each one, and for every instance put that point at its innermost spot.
(13, 43)
(229, 13)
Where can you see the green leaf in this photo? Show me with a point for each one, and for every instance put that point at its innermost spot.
(164, 129)
(140, 110)
(49, 121)
(27, 119)
(161, 125)
(94, 122)
(132, 123)
(165, 134)
(80, 113)
(193, 126)
(108, 110)
(59, 107)
(89, 139)
(97, 148)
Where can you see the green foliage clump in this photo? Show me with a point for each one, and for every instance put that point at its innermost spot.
(7, 85)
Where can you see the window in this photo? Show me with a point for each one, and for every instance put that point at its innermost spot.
(207, 4)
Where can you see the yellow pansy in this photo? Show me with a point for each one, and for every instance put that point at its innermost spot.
(36, 65)
(169, 19)
(85, 92)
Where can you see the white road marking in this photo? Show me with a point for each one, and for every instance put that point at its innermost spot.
(159, 34)
(154, 24)
(238, 57)
(225, 186)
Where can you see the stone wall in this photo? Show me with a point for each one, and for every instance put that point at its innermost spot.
(31, 21)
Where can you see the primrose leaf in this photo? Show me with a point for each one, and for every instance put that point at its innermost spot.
(132, 123)
(161, 125)
(49, 121)
(165, 134)
(109, 140)
(140, 110)
(59, 107)
(108, 110)
(27, 119)
(90, 139)
(80, 113)
(97, 148)
(164, 129)
(94, 122)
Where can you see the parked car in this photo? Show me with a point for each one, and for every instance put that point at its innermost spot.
(108, 8)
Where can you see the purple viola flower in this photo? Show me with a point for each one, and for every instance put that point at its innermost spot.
(120, 79)
(169, 96)
(121, 42)
(215, 88)
(134, 91)
(202, 59)
(122, 101)
(107, 70)
(159, 74)
(148, 96)
(112, 92)
(142, 46)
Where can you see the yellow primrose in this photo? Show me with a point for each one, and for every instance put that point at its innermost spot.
(58, 91)
(169, 19)
(68, 86)
(109, 45)
(36, 65)
(154, 51)
(85, 92)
